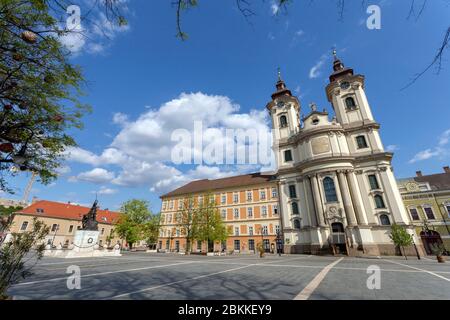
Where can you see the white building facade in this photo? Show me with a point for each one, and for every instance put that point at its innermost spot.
(336, 184)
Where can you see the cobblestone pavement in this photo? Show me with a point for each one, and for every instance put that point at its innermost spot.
(171, 276)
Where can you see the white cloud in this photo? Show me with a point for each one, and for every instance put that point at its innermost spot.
(120, 118)
(274, 8)
(92, 37)
(440, 151)
(299, 33)
(392, 148)
(142, 149)
(425, 155)
(444, 138)
(96, 175)
(315, 70)
(105, 191)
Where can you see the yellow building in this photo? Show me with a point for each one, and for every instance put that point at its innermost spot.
(63, 219)
(427, 200)
(248, 205)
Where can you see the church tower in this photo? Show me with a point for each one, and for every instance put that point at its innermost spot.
(284, 110)
(337, 189)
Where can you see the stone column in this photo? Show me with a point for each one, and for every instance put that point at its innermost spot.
(310, 202)
(356, 198)
(317, 200)
(346, 198)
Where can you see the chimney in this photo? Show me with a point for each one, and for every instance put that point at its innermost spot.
(419, 173)
(447, 169)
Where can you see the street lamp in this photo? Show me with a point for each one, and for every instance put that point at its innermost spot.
(279, 242)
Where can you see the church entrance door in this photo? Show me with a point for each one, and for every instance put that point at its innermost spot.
(338, 238)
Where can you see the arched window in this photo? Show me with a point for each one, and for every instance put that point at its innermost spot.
(297, 224)
(379, 202)
(283, 121)
(384, 219)
(350, 103)
(330, 190)
(294, 208)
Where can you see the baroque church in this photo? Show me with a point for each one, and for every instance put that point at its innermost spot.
(334, 190)
(335, 178)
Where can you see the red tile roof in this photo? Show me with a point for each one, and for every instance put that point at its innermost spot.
(206, 185)
(62, 210)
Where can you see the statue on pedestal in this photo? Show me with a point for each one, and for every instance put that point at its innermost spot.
(89, 221)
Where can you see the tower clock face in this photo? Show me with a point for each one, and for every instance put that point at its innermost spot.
(345, 85)
(280, 104)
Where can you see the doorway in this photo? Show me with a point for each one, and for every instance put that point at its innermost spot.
(429, 238)
(338, 238)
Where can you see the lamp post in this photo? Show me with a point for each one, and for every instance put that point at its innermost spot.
(279, 243)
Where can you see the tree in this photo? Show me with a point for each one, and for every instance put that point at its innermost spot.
(135, 221)
(137, 210)
(401, 238)
(187, 218)
(209, 226)
(13, 266)
(39, 91)
(150, 229)
(127, 229)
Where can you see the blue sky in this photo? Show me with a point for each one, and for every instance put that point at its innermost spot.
(143, 82)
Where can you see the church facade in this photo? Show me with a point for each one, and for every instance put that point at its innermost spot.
(337, 187)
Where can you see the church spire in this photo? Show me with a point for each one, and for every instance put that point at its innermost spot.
(281, 87)
(339, 68)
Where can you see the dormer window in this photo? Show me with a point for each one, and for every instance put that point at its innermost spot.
(39, 210)
(350, 103)
(283, 122)
(315, 121)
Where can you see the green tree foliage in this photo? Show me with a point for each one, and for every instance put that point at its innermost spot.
(210, 226)
(150, 229)
(127, 229)
(400, 237)
(6, 218)
(13, 265)
(39, 91)
(187, 218)
(137, 222)
(137, 210)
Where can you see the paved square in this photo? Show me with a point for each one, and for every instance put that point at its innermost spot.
(169, 276)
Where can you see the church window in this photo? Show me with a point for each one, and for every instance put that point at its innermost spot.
(379, 202)
(373, 182)
(287, 155)
(330, 190)
(292, 192)
(361, 142)
(294, 208)
(384, 219)
(297, 224)
(283, 121)
(350, 103)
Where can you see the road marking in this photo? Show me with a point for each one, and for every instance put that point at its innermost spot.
(180, 281)
(423, 270)
(102, 273)
(309, 289)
